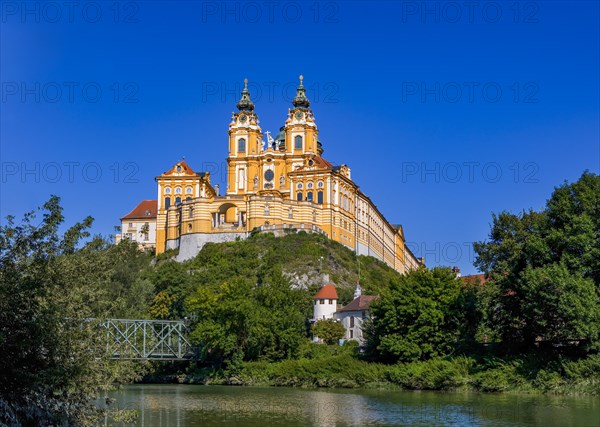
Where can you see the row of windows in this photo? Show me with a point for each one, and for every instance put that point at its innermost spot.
(242, 144)
(177, 201)
(188, 190)
(309, 197)
(322, 301)
(310, 185)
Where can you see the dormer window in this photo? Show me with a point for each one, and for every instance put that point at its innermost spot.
(148, 213)
(178, 168)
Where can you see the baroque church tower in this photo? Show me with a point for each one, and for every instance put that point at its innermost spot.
(255, 166)
(278, 185)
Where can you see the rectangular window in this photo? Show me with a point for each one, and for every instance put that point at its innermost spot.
(242, 179)
(321, 301)
(352, 321)
(351, 334)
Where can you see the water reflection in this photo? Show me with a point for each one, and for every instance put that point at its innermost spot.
(190, 405)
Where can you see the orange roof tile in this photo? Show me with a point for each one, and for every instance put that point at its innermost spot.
(322, 163)
(474, 279)
(147, 209)
(185, 169)
(327, 292)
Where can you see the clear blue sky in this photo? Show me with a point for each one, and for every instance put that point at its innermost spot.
(445, 112)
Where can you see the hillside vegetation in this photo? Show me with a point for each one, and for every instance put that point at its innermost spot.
(534, 326)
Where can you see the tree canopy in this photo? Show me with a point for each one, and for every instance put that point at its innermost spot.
(418, 317)
(545, 268)
(51, 285)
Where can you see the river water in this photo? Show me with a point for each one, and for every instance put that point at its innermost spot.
(197, 405)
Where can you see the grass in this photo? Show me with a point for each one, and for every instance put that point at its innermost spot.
(340, 367)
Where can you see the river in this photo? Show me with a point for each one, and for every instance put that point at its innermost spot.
(197, 405)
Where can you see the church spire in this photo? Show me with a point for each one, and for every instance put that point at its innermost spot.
(245, 104)
(301, 101)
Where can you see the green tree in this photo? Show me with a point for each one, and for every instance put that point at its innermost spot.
(51, 285)
(418, 317)
(545, 268)
(328, 330)
(242, 319)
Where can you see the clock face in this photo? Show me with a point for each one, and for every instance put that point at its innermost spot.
(299, 115)
(269, 175)
(243, 118)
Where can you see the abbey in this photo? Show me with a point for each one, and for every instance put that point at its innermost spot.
(278, 186)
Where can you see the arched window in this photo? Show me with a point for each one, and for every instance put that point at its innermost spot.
(299, 196)
(241, 145)
(320, 197)
(178, 190)
(191, 212)
(298, 142)
(167, 202)
(177, 200)
(189, 228)
(309, 196)
(187, 199)
(188, 190)
(167, 191)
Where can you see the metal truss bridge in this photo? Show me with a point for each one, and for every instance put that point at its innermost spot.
(147, 339)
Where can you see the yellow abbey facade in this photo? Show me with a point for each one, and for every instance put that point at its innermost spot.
(275, 186)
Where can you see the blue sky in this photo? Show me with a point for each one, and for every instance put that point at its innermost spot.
(445, 111)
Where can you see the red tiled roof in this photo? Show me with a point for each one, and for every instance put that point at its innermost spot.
(322, 163)
(360, 303)
(319, 163)
(474, 279)
(327, 292)
(147, 209)
(185, 169)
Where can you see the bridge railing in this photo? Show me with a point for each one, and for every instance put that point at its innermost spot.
(147, 339)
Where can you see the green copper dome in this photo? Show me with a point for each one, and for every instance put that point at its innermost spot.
(301, 101)
(245, 104)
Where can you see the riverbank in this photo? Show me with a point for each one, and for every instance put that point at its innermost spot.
(529, 373)
(182, 405)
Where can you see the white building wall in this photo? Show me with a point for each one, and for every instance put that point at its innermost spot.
(131, 229)
(352, 332)
(324, 308)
